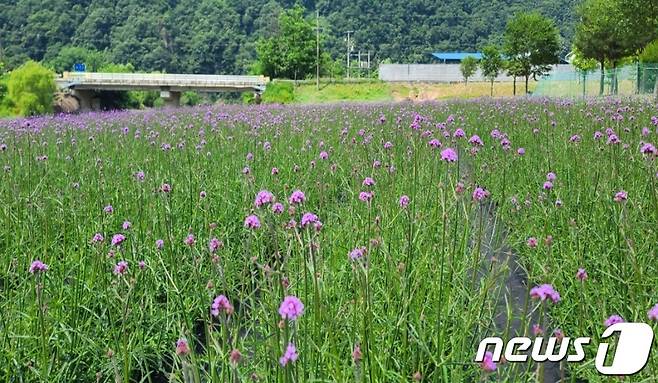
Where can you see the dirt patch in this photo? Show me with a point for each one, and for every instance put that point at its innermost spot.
(66, 103)
(439, 91)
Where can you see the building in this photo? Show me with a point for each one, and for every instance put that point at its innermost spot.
(455, 57)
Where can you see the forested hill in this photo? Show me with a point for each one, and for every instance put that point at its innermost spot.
(218, 36)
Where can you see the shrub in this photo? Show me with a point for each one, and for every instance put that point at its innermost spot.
(190, 98)
(278, 92)
(31, 89)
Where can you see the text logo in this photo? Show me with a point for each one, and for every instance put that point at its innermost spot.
(631, 353)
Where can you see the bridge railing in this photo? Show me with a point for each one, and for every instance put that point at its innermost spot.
(163, 79)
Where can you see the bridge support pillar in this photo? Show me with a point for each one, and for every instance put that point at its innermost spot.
(85, 98)
(171, 99)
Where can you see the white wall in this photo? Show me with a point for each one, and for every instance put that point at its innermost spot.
(439, 73)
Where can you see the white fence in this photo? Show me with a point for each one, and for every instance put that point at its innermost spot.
(440, 73)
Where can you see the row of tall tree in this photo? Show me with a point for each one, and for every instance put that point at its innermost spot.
(610, 31)
(531, 43)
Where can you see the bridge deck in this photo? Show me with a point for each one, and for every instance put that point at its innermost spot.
(150, 81)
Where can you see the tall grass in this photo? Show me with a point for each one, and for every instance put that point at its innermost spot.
(392, 291)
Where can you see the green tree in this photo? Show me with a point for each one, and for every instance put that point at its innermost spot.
(582, 63)
(603, 35)
(649, 54)
(531, 42)
(515, 69)
(117, 68)
(70, 55)
(468, 67)
(640, 18)
(649, 57)
(291, 53)
(491, 64)
(93, 32)
(31, 88)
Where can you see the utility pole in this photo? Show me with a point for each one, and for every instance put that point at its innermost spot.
(348, 53)
(317, 49)
(359, 66)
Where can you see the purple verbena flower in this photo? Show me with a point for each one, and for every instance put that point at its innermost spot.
(404, 201)
(263, 197)
(117, 239)
(297, 197)
(289, 356)
(479, 194)
(652, 314)
(221, 304)
(613, 319)
(544, 292)
(121, 268)
(37, 267)
(621, 196)
(308, 219)
(357, 253)
(277, 208)
(97, 238)
(449, 155)
(487, 364)
(291, 308)
(252, 222)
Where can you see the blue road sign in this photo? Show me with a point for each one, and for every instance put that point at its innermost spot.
(79, 67)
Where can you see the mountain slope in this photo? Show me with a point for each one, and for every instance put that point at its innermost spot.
(218, 36)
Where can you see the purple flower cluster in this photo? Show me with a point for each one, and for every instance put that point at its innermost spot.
(291, 308)
(449, 155)
(263, 197)
(357, 253)
(311, 219)
(289, 356)
(37, 267)
(480, 193)
(221, 304)
(121, 268)
(252, 222)
(117, 239)
(543, 292)
(297, 197)
(613, 319)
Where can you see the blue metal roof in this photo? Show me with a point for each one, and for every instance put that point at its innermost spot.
(456, 55)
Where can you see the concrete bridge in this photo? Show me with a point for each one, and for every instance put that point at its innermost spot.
(84, 84)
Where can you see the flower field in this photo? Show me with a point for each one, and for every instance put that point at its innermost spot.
(367, 243)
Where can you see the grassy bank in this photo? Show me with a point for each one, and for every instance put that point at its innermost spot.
(307, 93)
